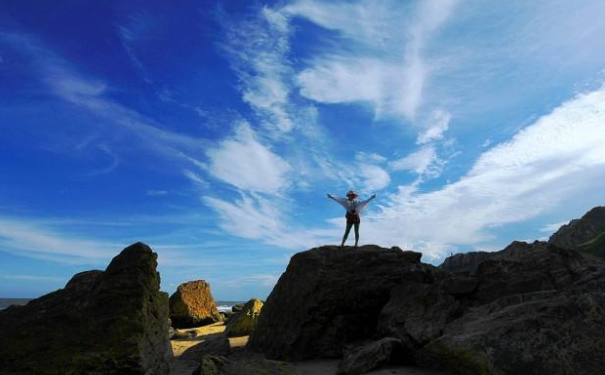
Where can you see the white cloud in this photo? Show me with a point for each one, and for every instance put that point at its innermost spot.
(196, 178)
(129, 34)
(553, 160)
(91, 94)
(266, 280)
(245, 163)
(36, 278)
(257, 51)
(438, 124)
(258, 218)
(372, 157)
(29, 239)
(374, 177)
(368, 21)
(387, 68)
(156, 193)
(417, 162)
(551, 228)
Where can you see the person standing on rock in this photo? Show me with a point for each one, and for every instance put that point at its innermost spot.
(354, 209)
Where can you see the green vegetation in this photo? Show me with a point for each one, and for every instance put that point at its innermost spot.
(595, 246)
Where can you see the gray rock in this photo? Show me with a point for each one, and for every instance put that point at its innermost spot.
(579, 231)
(329, 297)
(368, 357)
(103, 322)
(529, 309)
(415, 314)
(544, 333)
(246, 365)
(244, 322)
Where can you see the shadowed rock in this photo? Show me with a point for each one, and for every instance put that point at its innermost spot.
(531, 308)
(247, 365)
(586, 234)
(330, 296)
(103, 322)
(367, 357)
(244, 322)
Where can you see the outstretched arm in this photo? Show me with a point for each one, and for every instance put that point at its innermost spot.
(341, 201)
(363, 204)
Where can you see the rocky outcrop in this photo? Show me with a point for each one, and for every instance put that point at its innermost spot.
(103, 322)
(465, 262)
(244, 322)
(531, 308)
(586, 234)
(331, 296)
(192, 305)
(367, 357)
(247, 365)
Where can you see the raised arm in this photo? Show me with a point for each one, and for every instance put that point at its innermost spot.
(341, 201)
(363, 204)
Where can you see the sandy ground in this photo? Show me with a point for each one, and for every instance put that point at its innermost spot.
(329, 367)
(319, 367)
(179, 346)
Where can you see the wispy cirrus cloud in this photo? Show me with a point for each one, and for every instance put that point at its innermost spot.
(258, 52)
(245, 163)
(380, 60)
(550, 162)
(132, 32)
(419, 162)
(25, 238)
(92, 94)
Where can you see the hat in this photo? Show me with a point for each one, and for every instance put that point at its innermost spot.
(352, 193)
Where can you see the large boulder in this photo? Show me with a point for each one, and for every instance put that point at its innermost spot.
(103, 322)
(538, 333)
(192, 305)
(331, 296)
(244, 322)
(531, 308)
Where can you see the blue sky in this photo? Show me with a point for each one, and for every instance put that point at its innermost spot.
(212, 130)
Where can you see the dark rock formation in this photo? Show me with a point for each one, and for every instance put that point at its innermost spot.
(586, 234)
(103, 322)
(331, 296)
(465, 262)
(416, 313)
(367, 357)
(247, 365)
(530, 308)
(535, 333)
(192, 305)
(244, 322)
(579, 231)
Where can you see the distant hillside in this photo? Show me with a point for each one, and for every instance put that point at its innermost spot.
(586, 234)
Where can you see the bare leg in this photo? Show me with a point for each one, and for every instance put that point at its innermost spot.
(344, 238)
(356, 233)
